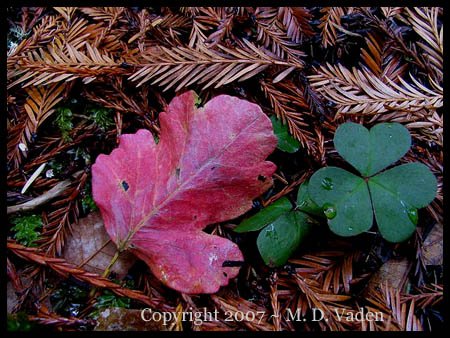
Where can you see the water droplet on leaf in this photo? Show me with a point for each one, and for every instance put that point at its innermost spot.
(327, 183)
(303, 204)
(271, 233)
(329, 210)
(413, 215)
(411, 212)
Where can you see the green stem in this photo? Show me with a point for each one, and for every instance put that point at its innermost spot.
(113, 261)
(107, 271)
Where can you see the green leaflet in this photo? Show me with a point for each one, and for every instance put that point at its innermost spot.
(283, 228)
(371, 151)
(305, 203)
(286, 142)
(395, 194)
(265, 216)
(277, 241)
(332, 187)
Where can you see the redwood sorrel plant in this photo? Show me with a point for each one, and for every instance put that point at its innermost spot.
(348, 201)
(207, 167)
(284, 226)
(394, 195)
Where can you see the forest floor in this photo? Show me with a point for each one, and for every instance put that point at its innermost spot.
(78, 78)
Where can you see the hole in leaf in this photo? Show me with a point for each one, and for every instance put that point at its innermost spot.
(125, 185)
(261, 178)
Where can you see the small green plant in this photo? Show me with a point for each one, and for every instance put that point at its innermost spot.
(87, 202)
(108, 300)
(286, 142)
(349, 202)
(64, 121)
(26, 229)
(283, 225)
(101, 117)
(18, 322)
(198, 101)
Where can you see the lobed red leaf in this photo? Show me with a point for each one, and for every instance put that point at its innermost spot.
(208, 166)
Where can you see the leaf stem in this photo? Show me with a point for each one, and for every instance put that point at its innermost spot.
(111, 263)
(107, 271)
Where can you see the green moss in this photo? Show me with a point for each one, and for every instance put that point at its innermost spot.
(26, 229)
(18, 322)
(64, 121)
(102, 117)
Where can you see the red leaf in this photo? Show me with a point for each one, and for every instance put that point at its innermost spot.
(207, 167)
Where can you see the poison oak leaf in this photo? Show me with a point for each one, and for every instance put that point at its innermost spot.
(208, 166)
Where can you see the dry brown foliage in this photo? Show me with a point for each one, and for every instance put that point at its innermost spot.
(312, 67)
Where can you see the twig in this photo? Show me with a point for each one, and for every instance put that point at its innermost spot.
(42, 199)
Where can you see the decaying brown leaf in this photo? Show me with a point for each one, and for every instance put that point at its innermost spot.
(432, 246)
(89, 246)
(394, 272)
(120, 319)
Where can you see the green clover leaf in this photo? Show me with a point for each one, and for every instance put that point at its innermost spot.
(286, 142)
(349, 201)
(265, 216)
(371, 151)
(397, 194)
(284, 228)
(277, 241)
(305, 203)
(344, 199)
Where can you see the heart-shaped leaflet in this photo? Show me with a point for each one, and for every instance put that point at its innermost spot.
(397, 193)
(371, 151)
